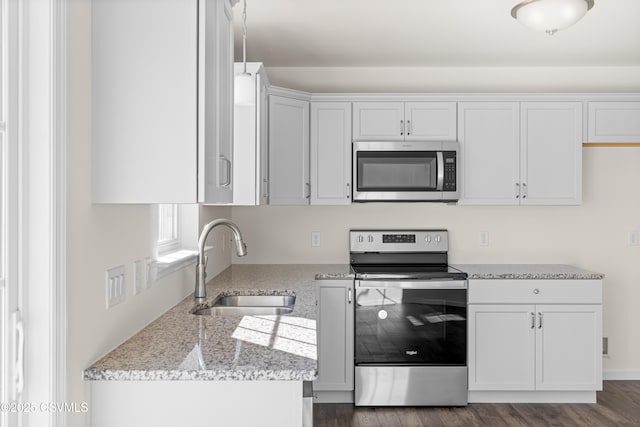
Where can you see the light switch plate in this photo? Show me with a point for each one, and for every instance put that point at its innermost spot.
(315, 239)
(484, 238)
(115, 286)
(634, 238)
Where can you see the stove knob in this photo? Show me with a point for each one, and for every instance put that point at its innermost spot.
(438, 239)
(370, 238)
(360, 238)
(427, 239)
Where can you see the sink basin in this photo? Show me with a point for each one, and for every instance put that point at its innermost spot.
(241, 305)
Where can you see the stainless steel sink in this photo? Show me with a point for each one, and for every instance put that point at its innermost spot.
(241, 305)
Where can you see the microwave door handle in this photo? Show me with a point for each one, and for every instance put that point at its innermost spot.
(440, 167)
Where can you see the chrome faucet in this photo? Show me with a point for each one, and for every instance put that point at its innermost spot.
(200, 293)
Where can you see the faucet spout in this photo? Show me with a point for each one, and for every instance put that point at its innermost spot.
(200, 293)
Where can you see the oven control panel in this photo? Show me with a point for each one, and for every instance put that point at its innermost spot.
(399, 241)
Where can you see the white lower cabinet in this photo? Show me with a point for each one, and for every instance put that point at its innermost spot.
(535, 352)
(334, 299)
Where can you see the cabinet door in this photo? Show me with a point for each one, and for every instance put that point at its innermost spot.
(430, 121)
(288, 151)
(551, 153)
(501, 347)
(330, 153)
(145, 102)
(614, 122)
(489, 134)
(215, 133)
(569, 347)
(378, 121)
(335, 335)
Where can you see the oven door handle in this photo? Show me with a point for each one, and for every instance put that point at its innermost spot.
(440, 166)
(413, 284)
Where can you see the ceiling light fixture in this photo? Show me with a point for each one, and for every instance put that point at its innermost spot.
(550, 16)
(244, 84)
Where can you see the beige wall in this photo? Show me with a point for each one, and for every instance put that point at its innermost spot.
(592, 236)
(105, 236)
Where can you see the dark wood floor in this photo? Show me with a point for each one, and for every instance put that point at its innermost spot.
(618, 405)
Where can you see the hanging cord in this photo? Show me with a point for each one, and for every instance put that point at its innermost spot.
(244, 36)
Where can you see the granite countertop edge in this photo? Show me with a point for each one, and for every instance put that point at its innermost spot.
(527, 272)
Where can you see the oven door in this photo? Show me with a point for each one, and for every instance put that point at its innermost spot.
(411, 323)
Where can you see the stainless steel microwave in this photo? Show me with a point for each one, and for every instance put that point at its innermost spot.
(405, 171)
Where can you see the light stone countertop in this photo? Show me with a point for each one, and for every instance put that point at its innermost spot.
(182, 346)
(527, 271)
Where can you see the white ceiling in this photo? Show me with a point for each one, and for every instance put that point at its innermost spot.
(430, 33)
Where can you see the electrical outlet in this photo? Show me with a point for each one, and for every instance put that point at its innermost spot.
(634, 238)
(139, 276)
(114, 281)
(484, 238)
(315, 239)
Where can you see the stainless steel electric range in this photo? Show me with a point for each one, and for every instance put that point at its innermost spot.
(410, 319)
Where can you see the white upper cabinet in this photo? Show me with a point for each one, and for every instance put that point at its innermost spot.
(399, 121)
(250, 147)
(430, 121)
(162, 101)
(489, 152)
(288, 151)
(526, 153)
(551, 153)
(375, 121)
(614, 122)
(215, 112)
(330, 153)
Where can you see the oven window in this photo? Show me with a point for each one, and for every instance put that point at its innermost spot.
(397, 171)
(411, 326)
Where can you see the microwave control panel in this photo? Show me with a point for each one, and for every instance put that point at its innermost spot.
(449, 158)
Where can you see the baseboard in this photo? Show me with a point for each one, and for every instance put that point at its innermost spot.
(621, 374)
(332, 396)
(532, 396)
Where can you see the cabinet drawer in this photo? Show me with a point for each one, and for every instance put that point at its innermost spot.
(535, 291)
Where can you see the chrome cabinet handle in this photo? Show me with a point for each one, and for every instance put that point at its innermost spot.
(533, 320)
(349, 296)
(517, 190)
(308, 192)
(348, 190)
(540, 320)
(525, 191)
(536, 291)
(18, 359)
(228, 174)
(401, 127)
(440, 174)
(408, 127)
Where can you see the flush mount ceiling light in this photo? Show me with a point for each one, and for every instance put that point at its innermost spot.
(550, 16)
(244, 84)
